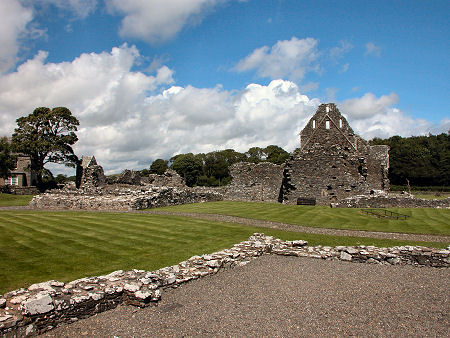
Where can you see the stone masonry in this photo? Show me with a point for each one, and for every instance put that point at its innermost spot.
(90, 174)
(333, 162)
(43, 306)
(121, 198)
(254, 182)
(170, 178)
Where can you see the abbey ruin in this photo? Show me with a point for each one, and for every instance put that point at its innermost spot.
(333, 166)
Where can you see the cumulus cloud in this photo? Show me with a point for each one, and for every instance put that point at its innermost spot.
(14, 18)
(368, 105)
(372, 116)
(159, 20)
(129, 118)
(290, 59)
(373, 49)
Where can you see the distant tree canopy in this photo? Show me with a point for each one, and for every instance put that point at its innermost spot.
(46, 135)
(423, 160)
(7, 160)
(211, 169)
(159, 166)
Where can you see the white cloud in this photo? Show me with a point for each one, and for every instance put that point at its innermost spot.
(368, 105)
(14, 19)
(286, 59)
(373, 117)
(129, 118)
(81, 8)
(159, 20)
(373, 49)
(339, 51)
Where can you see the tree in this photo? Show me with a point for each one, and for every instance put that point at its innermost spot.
(7, 160)
(46, 135)
(276, 154)
(159, 166)
(188, 166)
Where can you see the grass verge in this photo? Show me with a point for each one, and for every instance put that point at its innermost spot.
(10, 200)
(421, 220)
(36, 246)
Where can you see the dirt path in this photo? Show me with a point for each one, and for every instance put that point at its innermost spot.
(306, 229)
(275, 296)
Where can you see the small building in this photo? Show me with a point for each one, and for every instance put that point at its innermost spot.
(333, 162)
(22, 175)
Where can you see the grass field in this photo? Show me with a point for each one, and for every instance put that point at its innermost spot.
(9, 200)
(36, 246)
(421, 220)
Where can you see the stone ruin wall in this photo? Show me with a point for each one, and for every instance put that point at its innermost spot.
(121, 198)
(43, 306)
(333, 163)
(390, 201)
(170, 178)
(254, 182)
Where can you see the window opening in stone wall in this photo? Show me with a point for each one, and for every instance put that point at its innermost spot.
(327, 124)
(314, 124)
(340, 123)
(12, 181)
(327, 109)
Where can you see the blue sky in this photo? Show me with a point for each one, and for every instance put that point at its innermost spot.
(152, 78)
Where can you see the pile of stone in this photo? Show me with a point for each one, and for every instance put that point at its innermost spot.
(43, 306)
(390, 201)
(121, 198)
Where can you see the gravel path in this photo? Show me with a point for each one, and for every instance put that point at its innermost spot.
(289, 296)
(306, 229)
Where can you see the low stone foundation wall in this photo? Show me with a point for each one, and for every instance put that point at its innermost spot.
(10, 189)
(43, 306)
(390, 201)
(121, 198)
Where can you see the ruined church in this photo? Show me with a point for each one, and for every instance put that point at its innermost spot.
(331, 164)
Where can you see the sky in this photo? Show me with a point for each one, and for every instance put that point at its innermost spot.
(150, 79)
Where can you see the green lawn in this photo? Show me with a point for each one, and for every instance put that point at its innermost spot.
(421, 220)
(36, 246)
(9, 200)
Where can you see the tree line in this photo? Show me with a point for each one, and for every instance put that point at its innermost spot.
(421, 160)
(212, 169)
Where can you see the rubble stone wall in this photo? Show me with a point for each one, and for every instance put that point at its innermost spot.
(43, 306)
(333, 162)
(390, 201)
(254, 182)
(121, 198)
(170, 178)
(130, 177)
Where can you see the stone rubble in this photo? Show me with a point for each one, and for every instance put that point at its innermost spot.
(121, 198)
(387, 200)
(43, 306)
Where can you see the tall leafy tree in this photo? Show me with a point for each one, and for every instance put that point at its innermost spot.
(188, 166)
(276, 154)
(46, 135)
(159, 166)
(7, 160)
